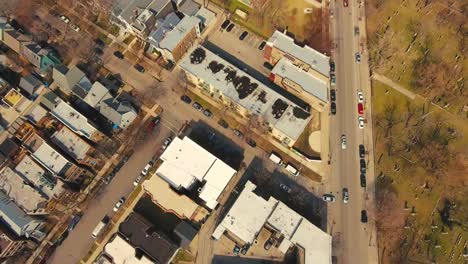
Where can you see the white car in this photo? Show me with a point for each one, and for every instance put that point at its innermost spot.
(119, 204)
(166, 143)
(64, 19)
(137, 180)
(328, 198)
(343, 141)
(345, 195)
(360, 97)
(145, 170)
(75, 27)
(361, 122)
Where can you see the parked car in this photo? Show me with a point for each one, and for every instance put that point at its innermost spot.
(343, 141)
(268, 244)
(238, 133)
(230, 27)
(332, 79)
(119, 54)
(98, 51)
(362, 151)
(236, 250)
(362, 165)
(99, 43)
(208, 113)
(197, 106)
(332, 95)
(119, 204)
(358, 57)
(185, 99)
(138, 180)
(64, 19)
(251, 142)
(345, 195)
(243, 35)
(225, 24)
(245, 248)
(166, 143)
(328, 198)
(361, 122)
(152, 124)
(74, 27)
(262, 45)
(356, 31)
(360, 108)
(332, 66)
(285, 188)
(292, 169)
(345, 3)
(363, 216)
(360, 97)
(333, 108)
(148, 166)
(139, 68)
(363, 180)
(223, 123)
(73, 222)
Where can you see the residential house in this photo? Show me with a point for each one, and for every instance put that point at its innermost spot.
(120, 113)
(40, 57)
(14, 39)
(10, 244)
(71, 80)
(4, 26)
(96, 95)
(30, 84)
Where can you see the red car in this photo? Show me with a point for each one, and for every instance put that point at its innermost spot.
(360, 108)
(345, 3)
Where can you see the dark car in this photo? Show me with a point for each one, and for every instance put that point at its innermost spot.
(245, 248)
(332, 79)
(236, 250)
(225, 24)
(356, 30)
(268, 244)
(98, 51)
(333, 108)
(73, 222)
(332, 66)
(345, 3)
(152, 124)
(262, 45)
(230, 27)
(99, 42)
(139, 68)
(358, 57)
(223, 123)
(119, 54)
(363, 180)
(185, 99)
(251, 142)
(208, 113)
(364, 216)
(197, 106)
(268, 65)
(243, 35)
(332, 95)
(362, 151)
(362, 164)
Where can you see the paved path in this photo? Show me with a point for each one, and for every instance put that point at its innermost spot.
(394, 85)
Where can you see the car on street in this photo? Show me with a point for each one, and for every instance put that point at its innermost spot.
(262, 45)
(230, 27)
(332, 67)
(251, 142)
(360, 108)
(333, 108)
(332, 95)
(73, 222)
(343, 141)
(166, 143)
(362, 151)
(332, 79)
(99, 43)
(268, 244)
(356, 31)
(152, 124)
(64, 19)
(197, 106)
(285, 188)
(238, 133)
(362, 165)
(185, 99)
(98, 51)
(245, 248)
(138, 180)
(119, 204)
(361, 122)
(363, 216)
(236, 250)
(119, 54)
(358, 57)
(243, 35)
(345, 3)
(363, 180)
(345, 195)
(360, 97)
(208, 113)
(328, 197)
(225, 24)
(148, 166)
(223, 123)
(74, 27)
(139, 68)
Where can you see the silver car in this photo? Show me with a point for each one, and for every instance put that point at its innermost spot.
(343, 141)
(345, 195)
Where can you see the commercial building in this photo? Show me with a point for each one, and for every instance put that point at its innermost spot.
(182, 171)
(9, 243)
(250, 213)
(122, 252)
(241, 93)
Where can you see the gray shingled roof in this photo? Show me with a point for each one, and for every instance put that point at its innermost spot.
(15, 218)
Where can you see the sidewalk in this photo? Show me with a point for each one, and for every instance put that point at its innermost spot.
(394, 85)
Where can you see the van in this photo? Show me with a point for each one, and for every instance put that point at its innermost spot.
(292, 169)
(100, 227)
(276, 159)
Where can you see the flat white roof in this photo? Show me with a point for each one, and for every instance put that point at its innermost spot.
(316, 243)
(71, 143)
(247, 216)
(246, 91)
(36, 113)
(285, 220)
(318, 61)
(73, 119)
(178, 33)
(307, 81)
(51, 159)
(124, 253)
(217, 178)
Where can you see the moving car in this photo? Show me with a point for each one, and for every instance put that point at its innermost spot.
(119, 204)
(262, 45)
(343, 141)
(360, 97)
(332, 95)
(363, 180)
(363, 216)
(208, 113)
(285, 188)
(333, 108)
(362, 151)
(139, 68)
(225, 24)
(119, 54)
(358, 57)
(146, 168)
(268, 244)
(236, 250)
(360, 108)
(345, 195)
(185, 99)
(328, 197)
(166, 143)
(230, 27)
(251, 142)
(362, 165)
(361, 122)
(64, 19)
(243, 35)
(223, 123)
(197, 106)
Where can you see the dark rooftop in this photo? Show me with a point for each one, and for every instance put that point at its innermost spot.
(279, 106)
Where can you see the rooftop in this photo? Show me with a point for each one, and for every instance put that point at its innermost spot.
(36, 113)
(12, 97)
(307, 81)
(163, 26)
(118, 112)
(276, 110)
(97, 93)
(25, 196)
(181, 170)
(316, 60)
(73, 119)
(126, 9)
(124, 253)
(51, 159)
(71, 143)
(175, 36)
